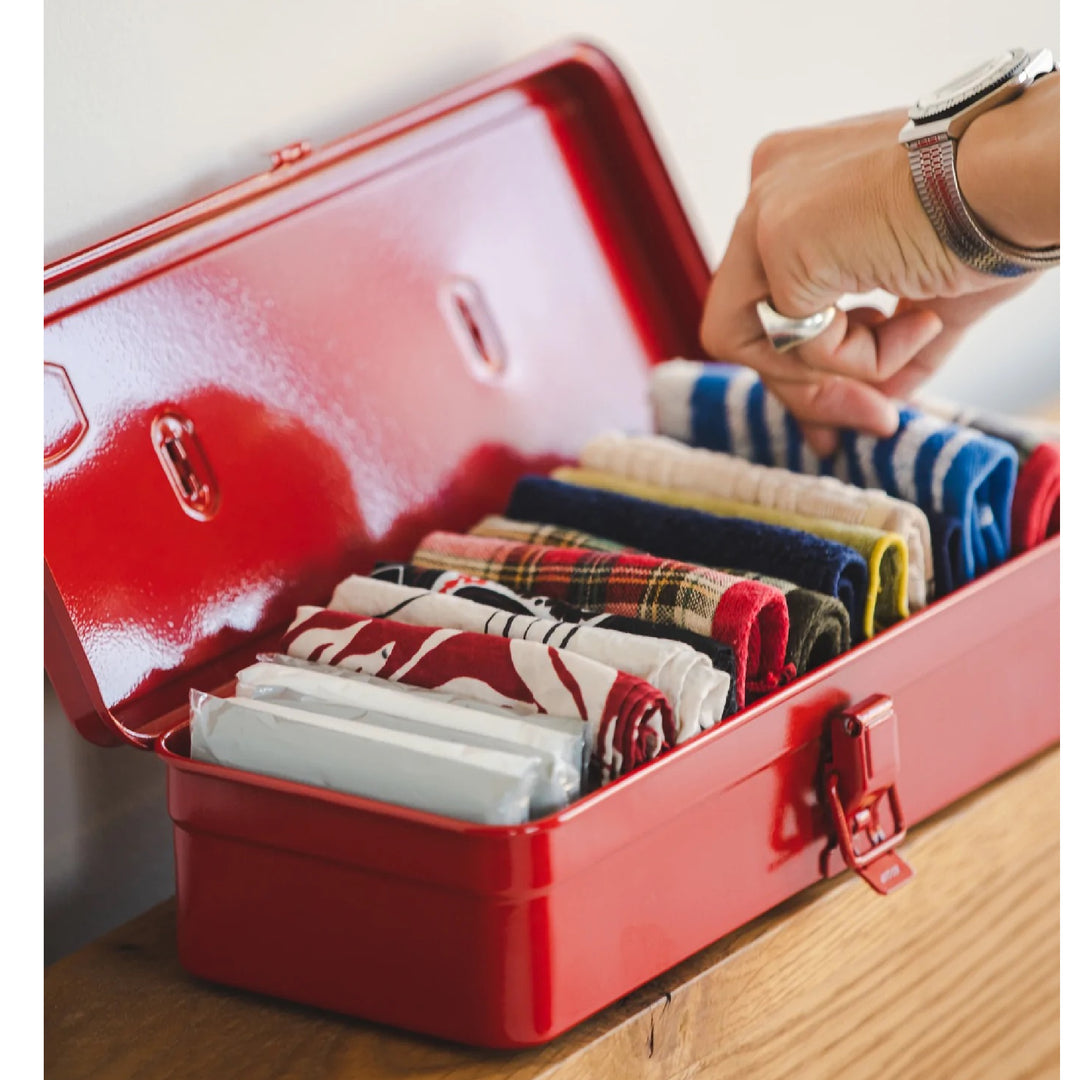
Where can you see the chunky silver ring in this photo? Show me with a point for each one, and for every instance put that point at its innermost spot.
(784, 333)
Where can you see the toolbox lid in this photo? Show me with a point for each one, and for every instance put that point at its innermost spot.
(250, 398)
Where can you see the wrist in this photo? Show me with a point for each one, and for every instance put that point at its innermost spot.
(1007, 166)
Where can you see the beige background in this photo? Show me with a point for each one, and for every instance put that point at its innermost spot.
(151, 104)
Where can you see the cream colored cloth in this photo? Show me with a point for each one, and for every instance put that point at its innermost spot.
(696, 690)
(668, 463)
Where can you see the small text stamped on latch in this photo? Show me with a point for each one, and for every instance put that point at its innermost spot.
(860, 778)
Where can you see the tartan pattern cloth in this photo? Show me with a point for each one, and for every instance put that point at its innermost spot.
(666, 462)
(881, 598)
(750, 617)
(627, 721)
(819, 627)
(492, 594)
(938, 466)
(696, 691)
(545, 533)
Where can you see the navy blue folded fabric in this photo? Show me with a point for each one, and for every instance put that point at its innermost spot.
(943, 468)
(946, 541)
(721, 656)
(693, 536)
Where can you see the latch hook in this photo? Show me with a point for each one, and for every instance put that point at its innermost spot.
(862, 771)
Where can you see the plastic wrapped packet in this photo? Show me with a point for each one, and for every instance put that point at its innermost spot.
(485, 786)
(566, 737)
(330, 695)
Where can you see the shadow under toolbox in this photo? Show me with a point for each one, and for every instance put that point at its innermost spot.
(278, 385)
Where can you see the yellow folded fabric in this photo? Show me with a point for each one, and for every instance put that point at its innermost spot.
(885, 553)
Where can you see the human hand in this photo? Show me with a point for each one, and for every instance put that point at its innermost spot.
(832, 211)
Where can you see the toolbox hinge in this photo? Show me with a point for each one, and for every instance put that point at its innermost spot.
(860, 776)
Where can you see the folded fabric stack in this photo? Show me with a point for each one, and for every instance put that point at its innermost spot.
(697, 691)
(1036, 508)
(491, 593)
(627, 720)
(747, 615)
(954, 472)
(818, 624)
(619, 608)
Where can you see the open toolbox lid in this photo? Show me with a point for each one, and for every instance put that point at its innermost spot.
(251, 397)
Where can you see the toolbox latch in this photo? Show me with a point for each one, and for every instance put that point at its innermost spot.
(860, 777)
(289, 155)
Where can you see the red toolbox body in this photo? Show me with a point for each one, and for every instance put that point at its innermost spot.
(271, 388)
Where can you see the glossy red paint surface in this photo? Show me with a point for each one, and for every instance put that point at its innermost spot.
(300, 331)
(362, 345)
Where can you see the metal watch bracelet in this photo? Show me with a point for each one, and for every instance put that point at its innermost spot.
(933, 167)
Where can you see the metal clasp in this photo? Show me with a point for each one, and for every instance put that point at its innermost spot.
(860, 776)
(288, 155)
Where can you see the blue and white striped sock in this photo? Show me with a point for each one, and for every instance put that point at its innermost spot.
(943, 468)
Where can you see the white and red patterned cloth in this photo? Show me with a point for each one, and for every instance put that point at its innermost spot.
(628, 721)
(696, 691)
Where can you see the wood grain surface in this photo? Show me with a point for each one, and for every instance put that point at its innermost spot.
(955, 976)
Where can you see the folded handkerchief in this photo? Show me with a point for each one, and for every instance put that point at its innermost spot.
(628, 721)
(657, 459)
(479, 784)
(1036, 508)
(492, 594)
(1036, 511)
(947, 537)
(541, 532)
(819, 627)
(693, 536)
(557, 743)
(938, 466)
(696, 691)
(748, 616)
(883, 603)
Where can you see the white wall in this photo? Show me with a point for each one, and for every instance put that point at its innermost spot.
(149, 105)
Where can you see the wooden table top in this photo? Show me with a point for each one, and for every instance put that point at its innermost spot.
(956, 975)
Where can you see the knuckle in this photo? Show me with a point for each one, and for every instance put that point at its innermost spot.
(766, 153)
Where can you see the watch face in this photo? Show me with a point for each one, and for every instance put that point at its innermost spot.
(962, 91)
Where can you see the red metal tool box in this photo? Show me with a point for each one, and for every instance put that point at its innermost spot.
(268, 389)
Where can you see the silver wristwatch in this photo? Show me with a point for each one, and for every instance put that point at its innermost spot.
(934, 125)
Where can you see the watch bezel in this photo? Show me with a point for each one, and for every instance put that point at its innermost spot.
(939, 105)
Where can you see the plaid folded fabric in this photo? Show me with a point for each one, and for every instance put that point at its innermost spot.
(884, 601)
(628, 721)
(492, 594)
(657, 459)
(819, 627)
(541, 532)
(693, 536)
(696, 691)
(750, 617)
(1036, 508)
(940, 467)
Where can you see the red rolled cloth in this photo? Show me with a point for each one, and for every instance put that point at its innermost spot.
(1036, 510)
(628, 721)
(749, 616)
